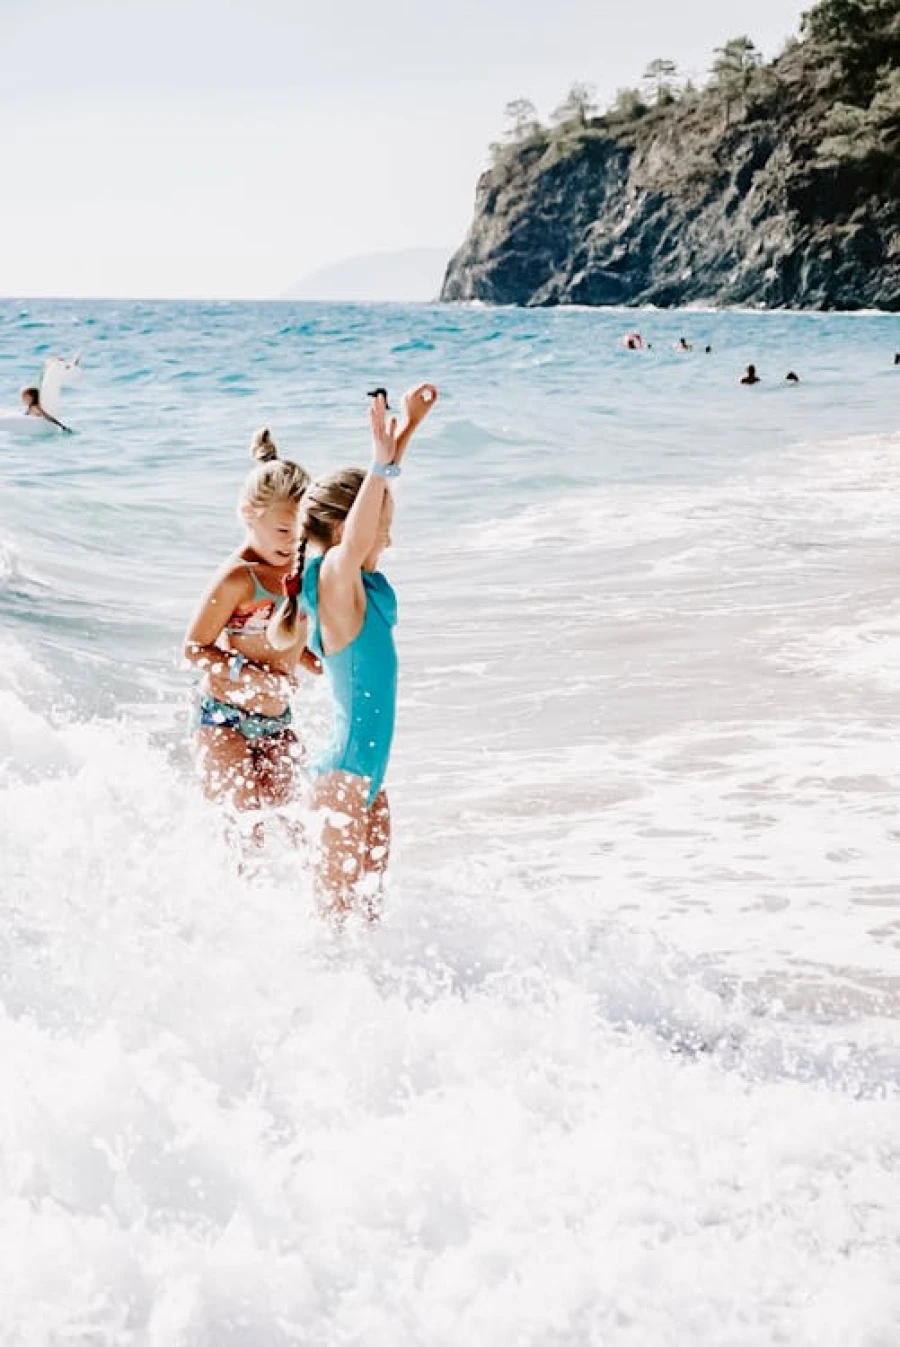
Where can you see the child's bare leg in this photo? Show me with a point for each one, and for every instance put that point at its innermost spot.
(378, 835)
(378, 852)
(228, 773)
(275, 762)
(341, 800)
(226, 765)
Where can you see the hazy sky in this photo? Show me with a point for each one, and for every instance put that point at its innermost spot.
(227, 147)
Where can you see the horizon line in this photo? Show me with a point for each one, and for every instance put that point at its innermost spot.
(199, 299)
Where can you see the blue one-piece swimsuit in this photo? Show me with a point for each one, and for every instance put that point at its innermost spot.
(363, 679)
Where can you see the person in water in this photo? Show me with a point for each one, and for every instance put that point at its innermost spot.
(791, 377)
(247, 750)
(31, 397)
(751, 376)
(351, 610)
(682, 344)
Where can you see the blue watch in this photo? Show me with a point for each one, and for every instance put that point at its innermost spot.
(386, 469)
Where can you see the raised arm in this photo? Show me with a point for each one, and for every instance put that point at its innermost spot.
(388, 447)
(417, 403)
(53, 421)
(361, 525)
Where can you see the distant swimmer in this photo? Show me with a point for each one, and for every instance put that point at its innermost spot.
(682, 344)
(633, 341)
(707, 350)
(751, 376)
(40, 414)
(31, 397)
(791, 377)
(897, 357)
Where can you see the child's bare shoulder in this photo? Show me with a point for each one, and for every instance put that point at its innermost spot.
(232, 579)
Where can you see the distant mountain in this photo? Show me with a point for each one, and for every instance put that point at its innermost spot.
(407, 276)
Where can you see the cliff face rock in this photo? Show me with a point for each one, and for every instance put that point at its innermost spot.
(678, 207)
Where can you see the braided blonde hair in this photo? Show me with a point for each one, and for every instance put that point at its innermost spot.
(326, 503)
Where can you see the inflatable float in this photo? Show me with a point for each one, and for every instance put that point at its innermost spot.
(57, 373)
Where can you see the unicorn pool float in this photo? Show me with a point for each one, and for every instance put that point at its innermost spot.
(57, 373)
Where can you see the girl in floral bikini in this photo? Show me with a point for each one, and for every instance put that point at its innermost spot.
(247, 750)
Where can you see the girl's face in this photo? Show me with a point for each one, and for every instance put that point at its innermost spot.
(274, 532)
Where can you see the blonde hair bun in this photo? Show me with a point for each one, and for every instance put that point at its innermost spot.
(263, 447)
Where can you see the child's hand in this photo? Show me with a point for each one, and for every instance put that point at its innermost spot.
(258, 689)
(310, 662)
(268, 683)
(418, 402)
(384, 432)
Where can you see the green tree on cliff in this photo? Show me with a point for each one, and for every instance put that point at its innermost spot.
(847, 136)
(629, 104)
(853, 134)
(578, 106)
(861, 36)
(660, 79)
(521, 119)
(848, 23)
(733, 70)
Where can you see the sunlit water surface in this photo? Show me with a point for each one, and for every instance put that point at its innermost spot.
(620, 1066)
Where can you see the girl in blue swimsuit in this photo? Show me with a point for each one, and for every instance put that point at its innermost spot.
(351, 610)
(246, 748)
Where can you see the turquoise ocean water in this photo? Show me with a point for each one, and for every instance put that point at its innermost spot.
(621, 1064)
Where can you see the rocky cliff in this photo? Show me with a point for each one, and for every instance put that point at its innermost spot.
(786, 193)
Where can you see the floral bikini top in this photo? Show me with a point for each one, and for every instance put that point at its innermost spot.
(252, 618)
